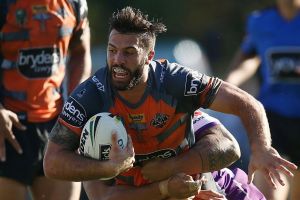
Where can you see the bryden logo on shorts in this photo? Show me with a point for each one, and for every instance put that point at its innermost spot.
(38, 62)
(73, 113)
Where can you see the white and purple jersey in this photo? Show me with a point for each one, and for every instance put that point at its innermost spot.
(232, 183)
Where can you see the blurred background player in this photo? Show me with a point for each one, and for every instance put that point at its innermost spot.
(41, 41)
(272, 44)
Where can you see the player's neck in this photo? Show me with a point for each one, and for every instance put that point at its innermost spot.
(135, 94)
(288, 10)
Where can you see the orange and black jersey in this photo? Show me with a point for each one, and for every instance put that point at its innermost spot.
(35, 36)
(160, 124)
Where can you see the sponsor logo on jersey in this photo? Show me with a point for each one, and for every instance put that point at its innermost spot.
(98, 84)
(136, 118)
(38, 62)
(193, 84)
(37, 9)
(40, 13)
(197, 118)
(284, 64)
(73, 113)
(137, 121)
(160, 119)
(163, 154)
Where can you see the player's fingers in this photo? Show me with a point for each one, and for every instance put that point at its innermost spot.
(114, 140)
(287, 163)
(2, 148)
(277, 176)
(284, 170)
(268, 177)
(15, 120)
(130, 145)
(14, 142)
(194, 185)
(251, 171)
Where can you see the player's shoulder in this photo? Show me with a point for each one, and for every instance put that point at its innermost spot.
(94, 87)
(264, 13)
(166, 70)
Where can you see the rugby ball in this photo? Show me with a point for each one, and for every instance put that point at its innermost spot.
(95, 140)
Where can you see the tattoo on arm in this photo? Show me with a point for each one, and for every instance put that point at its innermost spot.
(63, 136)
(216, 149)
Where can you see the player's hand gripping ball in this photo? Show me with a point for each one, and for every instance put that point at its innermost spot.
(95, 141)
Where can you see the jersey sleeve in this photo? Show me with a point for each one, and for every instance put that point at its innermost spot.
(80, 106)
(201, 122)
(191, 88)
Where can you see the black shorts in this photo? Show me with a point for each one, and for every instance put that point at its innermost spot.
(285, 133)
(25, 167)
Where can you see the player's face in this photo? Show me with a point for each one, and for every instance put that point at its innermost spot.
(126, 59)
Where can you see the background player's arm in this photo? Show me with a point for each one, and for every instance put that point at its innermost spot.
(216, 149)
(79, 63)
(243, 68)
(61, 160)
(8, 119)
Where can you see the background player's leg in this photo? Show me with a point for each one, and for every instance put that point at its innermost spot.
(12, 190)
(295, 186)
(281, 193)
(49, 189)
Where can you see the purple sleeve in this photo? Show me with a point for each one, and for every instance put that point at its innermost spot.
(202, 122)
(235, 185)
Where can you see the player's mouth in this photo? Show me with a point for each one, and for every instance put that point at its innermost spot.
(120, 73)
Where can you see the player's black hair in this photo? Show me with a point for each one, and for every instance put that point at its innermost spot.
(131, 20)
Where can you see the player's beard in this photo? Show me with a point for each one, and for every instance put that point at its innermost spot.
(135, 77)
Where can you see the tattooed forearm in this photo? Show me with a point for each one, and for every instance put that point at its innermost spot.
(63, 136)
(217, 149)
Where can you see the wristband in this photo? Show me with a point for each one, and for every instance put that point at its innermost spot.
(163, 187)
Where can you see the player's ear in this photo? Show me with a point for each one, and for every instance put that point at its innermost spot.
(150, 56)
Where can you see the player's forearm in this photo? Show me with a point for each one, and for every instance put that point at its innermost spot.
(66, 165)
(79, 70)
(97, 191)
(80, 64)
(214, 151)
(61, 161)
(257, 126)
(230, 99)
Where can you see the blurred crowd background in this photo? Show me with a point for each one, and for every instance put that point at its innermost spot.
(217, 26)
